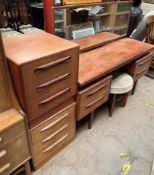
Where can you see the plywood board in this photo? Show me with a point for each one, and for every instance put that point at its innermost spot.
(72, 2)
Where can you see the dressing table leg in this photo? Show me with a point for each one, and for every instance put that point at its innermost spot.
(90, 121)
(134, 88)
(112, 99)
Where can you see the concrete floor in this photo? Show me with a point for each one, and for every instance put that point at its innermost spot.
(96, 151)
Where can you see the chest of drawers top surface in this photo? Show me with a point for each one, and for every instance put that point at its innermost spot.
(30, 47)
(9, 118)
(103, 60)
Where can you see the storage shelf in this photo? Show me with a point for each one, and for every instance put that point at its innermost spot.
(123, 13)
(120, 27)
(82, 5)
(59, 21)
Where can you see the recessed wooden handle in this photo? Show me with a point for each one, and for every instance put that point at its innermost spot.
(140, 73)
(54, 123)
(95, 101)
(50, 65)
(96, 90)
(53, 97)
(54, 134)
(143, 62)
(2, 153)
(4, 168)
(50, 83)
(56, 143)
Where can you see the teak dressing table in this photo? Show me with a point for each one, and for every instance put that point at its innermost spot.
(97, 65)
(56, 84)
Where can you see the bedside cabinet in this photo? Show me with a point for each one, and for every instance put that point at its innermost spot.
(14, 149)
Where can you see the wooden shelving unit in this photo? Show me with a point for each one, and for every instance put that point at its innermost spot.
(115, 17)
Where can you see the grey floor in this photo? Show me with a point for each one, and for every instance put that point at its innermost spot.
(96, 151)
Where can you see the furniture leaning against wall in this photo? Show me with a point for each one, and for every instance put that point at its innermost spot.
(14, 147)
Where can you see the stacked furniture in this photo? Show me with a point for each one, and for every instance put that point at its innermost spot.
(45, 77)
(52, 80)
(14, 147)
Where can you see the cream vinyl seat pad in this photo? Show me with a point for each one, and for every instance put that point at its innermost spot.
(121, 84)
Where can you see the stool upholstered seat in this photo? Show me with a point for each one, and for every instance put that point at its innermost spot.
(121, 84)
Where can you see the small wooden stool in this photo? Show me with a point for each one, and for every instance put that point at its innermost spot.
(121, 85)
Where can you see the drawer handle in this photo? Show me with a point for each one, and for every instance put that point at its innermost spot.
(53, 97)
(54, 123)
(45, 85)
(96, 90)
(54, 134)
(142, 63)
(5, 167)
(52, 64)
(94, 102)
(56, 143)
(142, 72)
(1, 139)
(2, 153)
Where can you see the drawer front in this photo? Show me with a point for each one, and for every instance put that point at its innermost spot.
(11, 133)
(49, 83)
(10, 156)
(142, 66)
(92, 97)
(52, 134)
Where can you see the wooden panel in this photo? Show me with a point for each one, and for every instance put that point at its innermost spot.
(52, 134)
(5, 101)
(101, 61)
(31, 47)
(92, 97)
(67, 2)
(140, 67)
(92, 42)
(10, 149)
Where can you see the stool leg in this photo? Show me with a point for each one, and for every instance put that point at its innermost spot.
(90, 121)
(124, 100)
(112, 99)
(134, 88)
(27, 168)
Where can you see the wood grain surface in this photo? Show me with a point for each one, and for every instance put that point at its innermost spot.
(40, 44)
(97, 40)
(103, 60)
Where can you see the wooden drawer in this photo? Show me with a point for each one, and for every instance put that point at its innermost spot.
(47, 82)
(11, 132)
(49, 68)
(138, 68)
(52, 134)
(13, 154)
(142, 66)
(92, 97)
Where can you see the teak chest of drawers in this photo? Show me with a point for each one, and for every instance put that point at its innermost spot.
(45, 74)
(13, 139)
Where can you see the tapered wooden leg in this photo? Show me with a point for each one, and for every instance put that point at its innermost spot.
(134, 88)
(27, 168)
(124, 100)
(90, 121)
(112, 99)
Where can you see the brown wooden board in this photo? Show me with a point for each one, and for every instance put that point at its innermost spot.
(99, 62)
(69, 2)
